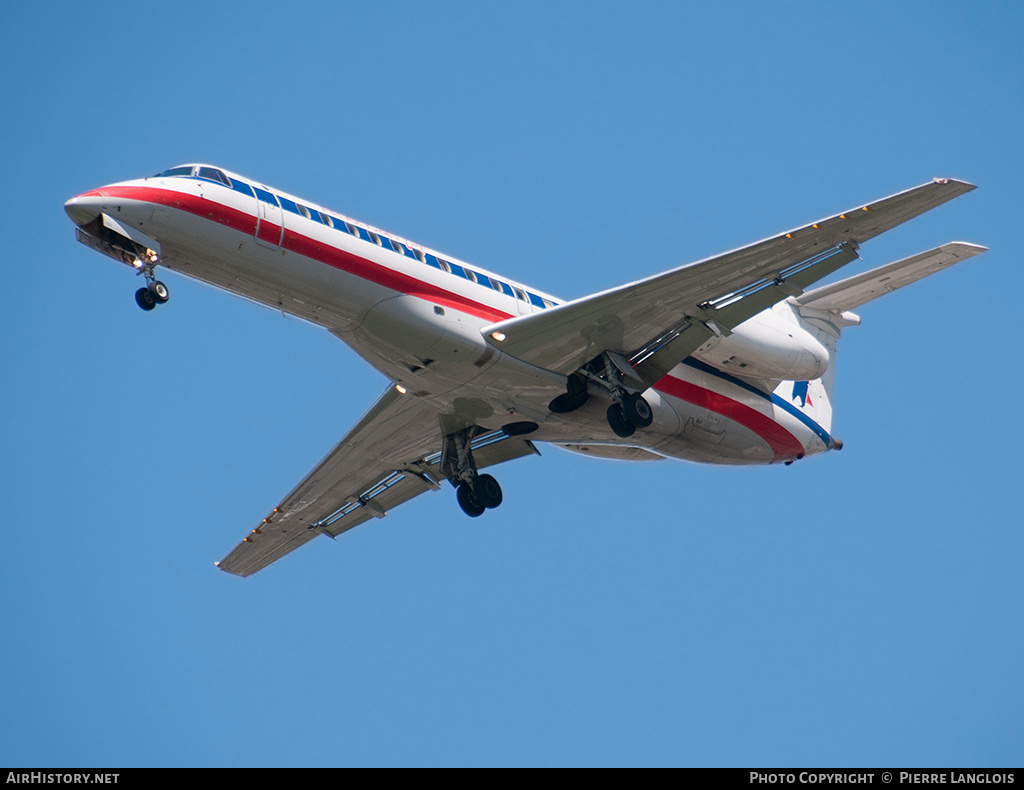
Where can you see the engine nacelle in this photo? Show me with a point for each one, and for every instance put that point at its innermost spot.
(767, 346)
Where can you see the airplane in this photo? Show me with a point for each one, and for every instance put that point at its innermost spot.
(728, 360)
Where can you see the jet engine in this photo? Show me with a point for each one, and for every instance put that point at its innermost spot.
(768, 346)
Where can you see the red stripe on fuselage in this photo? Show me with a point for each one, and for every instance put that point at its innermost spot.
(304, 245)
(193, 204)
(784, 445)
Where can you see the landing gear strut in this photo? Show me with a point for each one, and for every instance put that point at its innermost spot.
(475, 492)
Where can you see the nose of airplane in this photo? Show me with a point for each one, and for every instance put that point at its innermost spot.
(82, 209)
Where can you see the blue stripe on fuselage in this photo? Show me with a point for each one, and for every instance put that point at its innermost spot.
(771, 397)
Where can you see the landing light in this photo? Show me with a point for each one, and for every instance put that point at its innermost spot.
(499, 336)
(401, 389)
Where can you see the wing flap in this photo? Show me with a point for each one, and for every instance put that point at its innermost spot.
(654, 362)
(423, 475)
(631, 317)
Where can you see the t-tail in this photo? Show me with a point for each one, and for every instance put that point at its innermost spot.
(826, 311)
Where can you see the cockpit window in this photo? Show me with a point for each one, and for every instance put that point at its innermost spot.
(177, 171)
(213, 174)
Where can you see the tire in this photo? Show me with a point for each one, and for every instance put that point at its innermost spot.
(637, 410)
(160, 292)
(144, 298)
(469, 504)
(618, 422)
(486, 491)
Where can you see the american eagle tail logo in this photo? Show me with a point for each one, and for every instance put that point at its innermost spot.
(800, 393)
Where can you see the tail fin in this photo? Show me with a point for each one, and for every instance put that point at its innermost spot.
(824, 312)
(814, 398)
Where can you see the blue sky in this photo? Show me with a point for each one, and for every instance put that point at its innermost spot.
(862, 608)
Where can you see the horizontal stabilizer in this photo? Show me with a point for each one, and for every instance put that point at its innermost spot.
(852, 292)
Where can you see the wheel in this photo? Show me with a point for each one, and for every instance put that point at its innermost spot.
(160, 292)
(618, 422)
(637, 410)
(486, 491)
(144, 298)
(469, 504)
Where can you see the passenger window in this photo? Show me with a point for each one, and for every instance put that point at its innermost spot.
(327, 219)
(420, 256)
(520, 295)
(265, 196)
(304, 212)
(241, 186)
(375, 239)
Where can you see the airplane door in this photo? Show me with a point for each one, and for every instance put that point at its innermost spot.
(523, 302)
(269, 220)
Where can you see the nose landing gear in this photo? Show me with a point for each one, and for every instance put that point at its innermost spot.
(155, 291)
(149, 297)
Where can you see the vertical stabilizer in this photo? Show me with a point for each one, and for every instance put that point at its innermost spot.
(814, 398)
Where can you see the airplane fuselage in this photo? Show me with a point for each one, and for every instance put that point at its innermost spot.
(422, 318)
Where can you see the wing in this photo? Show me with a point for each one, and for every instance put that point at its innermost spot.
(391, 456)
(659, 321)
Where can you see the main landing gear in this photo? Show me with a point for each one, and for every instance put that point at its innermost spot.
(628, 411)
(475, 492)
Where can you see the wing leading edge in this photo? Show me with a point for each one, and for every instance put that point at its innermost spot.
(389, 457)
(686, 306)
